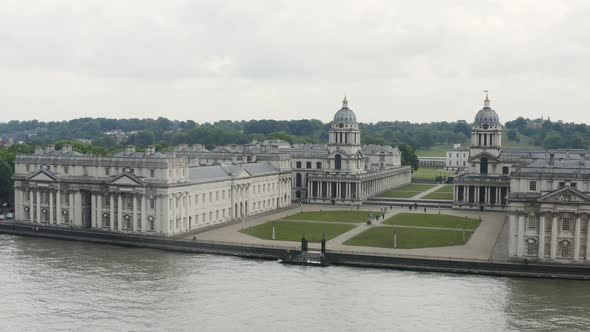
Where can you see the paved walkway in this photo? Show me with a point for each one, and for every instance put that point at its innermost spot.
(479, 246)
(426, 192)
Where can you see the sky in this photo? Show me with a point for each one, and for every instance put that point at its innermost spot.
(209, 60)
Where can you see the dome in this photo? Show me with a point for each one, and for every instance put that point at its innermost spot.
(345, 115)
(487, 115)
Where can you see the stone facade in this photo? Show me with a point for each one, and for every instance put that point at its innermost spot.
(549, 210)
(341, 172)
(145, 193)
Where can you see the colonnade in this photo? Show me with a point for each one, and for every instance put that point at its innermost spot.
(489, 195)
(346, 190)
(557, 235)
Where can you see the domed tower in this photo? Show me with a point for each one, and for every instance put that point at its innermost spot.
(486, 131)
(345, 141)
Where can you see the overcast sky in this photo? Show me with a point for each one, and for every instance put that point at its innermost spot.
(418, 61)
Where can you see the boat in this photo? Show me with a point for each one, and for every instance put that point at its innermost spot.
(306, 258)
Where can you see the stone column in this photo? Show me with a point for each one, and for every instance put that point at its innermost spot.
(173, 229)
(99, 210)
(32, 206)
(134, 212)
(588, 239)
(553, 248)
(511, 236)
(520, 236)
(119, 211)
(112, 212)
(58, 207)
(78, 207)
(143, 214)
(93, 209)
(577, 238)
(38, 206)
(541, 248)
(51, 211)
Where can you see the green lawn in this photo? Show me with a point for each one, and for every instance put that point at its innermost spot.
(439, 195)
(408, 238)
(341, 216)
(426, 173)
(432, 220)
(434, 151)
(292, 231)
(400, 194)
(445, 192)
(408, 191)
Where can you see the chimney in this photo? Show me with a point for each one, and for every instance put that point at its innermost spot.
(50, 148)
(130, 150)
(66, 148)
(150, 150)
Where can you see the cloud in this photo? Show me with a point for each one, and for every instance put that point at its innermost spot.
(209, 60)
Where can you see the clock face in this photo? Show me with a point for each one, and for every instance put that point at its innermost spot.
(486, 126)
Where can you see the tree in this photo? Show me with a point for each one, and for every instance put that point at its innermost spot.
(408, 155)
(512, 135)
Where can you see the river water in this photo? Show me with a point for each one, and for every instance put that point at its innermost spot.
(60, 285)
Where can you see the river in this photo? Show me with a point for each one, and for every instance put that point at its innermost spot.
(62, 285)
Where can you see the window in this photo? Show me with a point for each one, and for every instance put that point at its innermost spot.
(565, 224)
(533, 185)
(532, 222)
(66, 169)
(565, 248)
(561, 184)
(531, 247)
(152, 173)
(457, 155)
(152, 203)
(573, 184)
(216, 195)
(27, 167)
(308, 164)
(107, 171)
(298, 164)
(318, 165)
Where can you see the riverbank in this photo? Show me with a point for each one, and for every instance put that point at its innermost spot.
(336, 257)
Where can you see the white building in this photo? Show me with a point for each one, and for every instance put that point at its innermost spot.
(341, 172)
(456, 159)
(549, 209)
(146, 193)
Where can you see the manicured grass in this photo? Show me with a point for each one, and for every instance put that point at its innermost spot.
(416, 187)
(445, 192)
(339, 216)
(292, 231)
(434, 151)
(439, 195)
(425, 173)
(447, 188)
(432, 220)
(408, 238)
(408, 191)
(400, 194)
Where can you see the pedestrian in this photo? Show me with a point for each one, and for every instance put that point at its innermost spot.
(194, 238)
(425, 209)
(410, 207)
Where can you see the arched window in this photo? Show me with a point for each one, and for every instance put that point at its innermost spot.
(338, 162)
(505, 170)
(483, 165)
(298, 180)
(531, 247)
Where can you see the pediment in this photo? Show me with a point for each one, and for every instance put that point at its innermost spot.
(44, 176)
(243, 174)
(491, 157)
(565, 195)
(127, 179)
